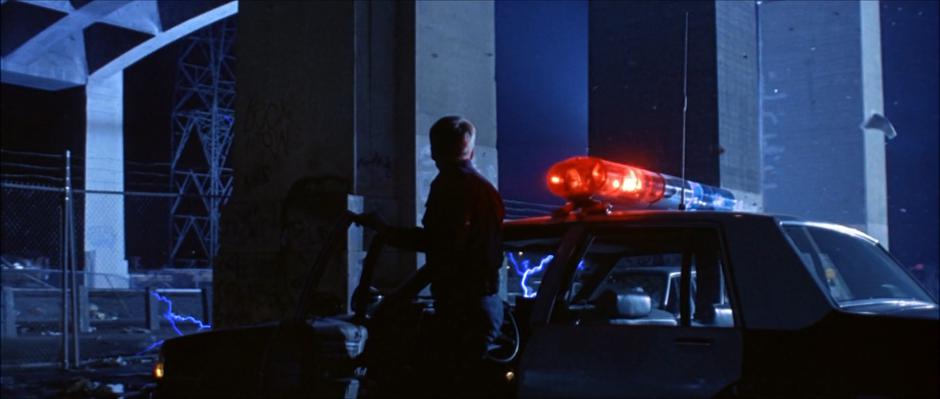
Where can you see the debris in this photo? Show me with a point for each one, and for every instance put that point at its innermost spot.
(111, 362)
(79, 386)
(135, 330)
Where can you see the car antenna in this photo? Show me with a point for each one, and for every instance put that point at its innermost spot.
(685, 105)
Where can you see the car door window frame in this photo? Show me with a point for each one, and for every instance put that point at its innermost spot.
(609, 229)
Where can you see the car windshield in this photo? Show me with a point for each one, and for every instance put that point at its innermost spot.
(853, 269)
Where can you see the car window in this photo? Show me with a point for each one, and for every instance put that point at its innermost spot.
(634, 278)
(526, 261)
(851, 269)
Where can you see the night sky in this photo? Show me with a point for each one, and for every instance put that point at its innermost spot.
(909, 54)
(542, 110)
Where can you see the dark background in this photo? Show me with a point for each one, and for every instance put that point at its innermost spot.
(909, 51)
(542, 93)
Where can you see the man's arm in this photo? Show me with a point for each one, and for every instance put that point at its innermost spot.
(410, 238)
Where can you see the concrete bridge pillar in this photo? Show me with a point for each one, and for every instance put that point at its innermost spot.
(104, 171)
(334, 102)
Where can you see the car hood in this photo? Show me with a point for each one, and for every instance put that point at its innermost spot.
(895, 308)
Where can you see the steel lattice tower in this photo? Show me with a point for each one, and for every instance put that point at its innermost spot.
(204, 107)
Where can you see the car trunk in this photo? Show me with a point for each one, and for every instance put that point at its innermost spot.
(286, 359)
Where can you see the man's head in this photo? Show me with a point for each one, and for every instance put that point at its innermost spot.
(452, 140)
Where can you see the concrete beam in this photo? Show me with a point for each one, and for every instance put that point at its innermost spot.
(166, 37)
(56, 5)
(55, 58)
(140, 16)
(40, 45)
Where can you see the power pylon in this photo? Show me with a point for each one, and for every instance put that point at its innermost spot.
(201, 123)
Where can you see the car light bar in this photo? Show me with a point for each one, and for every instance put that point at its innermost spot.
(578, 179)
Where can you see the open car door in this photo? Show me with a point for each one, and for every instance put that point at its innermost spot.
(607, 330)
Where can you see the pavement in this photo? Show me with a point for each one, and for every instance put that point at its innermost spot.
(109, 378)
(113, 366)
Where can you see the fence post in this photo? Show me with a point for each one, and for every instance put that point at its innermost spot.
(66, 253)
(207, 304)
(9, 313)
(83, 320)
(153, 310)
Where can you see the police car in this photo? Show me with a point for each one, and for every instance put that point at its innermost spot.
(642, 303)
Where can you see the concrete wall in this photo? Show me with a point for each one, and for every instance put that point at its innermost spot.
(821, 71)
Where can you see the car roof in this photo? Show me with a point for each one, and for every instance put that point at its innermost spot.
(648, 215)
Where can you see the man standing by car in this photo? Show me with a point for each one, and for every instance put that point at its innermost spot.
(462, 237)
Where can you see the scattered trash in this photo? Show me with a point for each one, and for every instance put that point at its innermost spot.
(78, 387)
(135, 330)
(115, 388)
(85, 388)
(95, 313)
(36, 312)
(111, 362)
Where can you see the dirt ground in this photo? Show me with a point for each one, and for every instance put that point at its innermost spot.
(110, 378)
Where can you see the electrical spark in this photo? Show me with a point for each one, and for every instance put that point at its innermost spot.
(173, 318)
(524, 270)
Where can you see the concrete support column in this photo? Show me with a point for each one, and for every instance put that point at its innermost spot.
(455, 74)
(334, 103)
(104, 170)
(293, 156)
(455, 47)
(821, 72)
(636, 56)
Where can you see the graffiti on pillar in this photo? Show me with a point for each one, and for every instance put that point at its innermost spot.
(269, 248)
(376, 163)
(268, 125)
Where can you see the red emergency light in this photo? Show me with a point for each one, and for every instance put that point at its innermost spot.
(580, 178)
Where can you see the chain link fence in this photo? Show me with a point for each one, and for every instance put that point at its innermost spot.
(125, 300)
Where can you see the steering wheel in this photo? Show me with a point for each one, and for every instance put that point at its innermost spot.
(505, 347)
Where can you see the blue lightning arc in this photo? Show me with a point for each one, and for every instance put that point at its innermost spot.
(172, 317)
(525, 270)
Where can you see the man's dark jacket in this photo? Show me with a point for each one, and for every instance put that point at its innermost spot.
(462, 234)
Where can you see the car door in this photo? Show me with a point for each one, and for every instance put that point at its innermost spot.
(612, 337)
